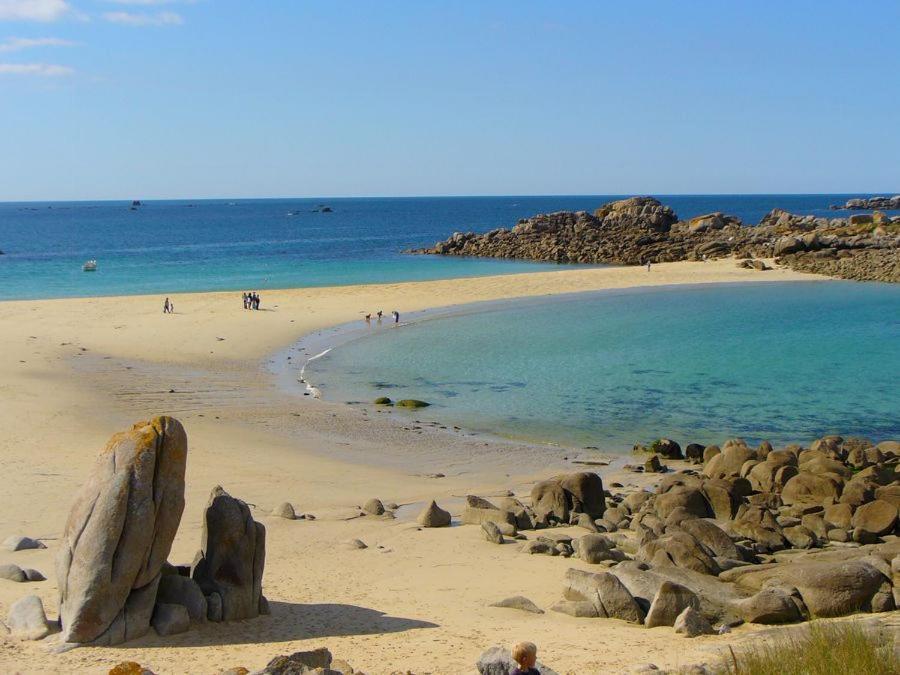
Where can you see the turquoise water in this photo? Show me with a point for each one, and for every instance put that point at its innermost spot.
(171, 246)
(787, 362)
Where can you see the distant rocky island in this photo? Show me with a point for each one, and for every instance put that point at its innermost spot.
(639, 230)
(870, 203)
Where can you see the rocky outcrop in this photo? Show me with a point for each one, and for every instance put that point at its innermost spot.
(119, 533)
(639, 230)
(761, 535)
(229, 566)
(866, 203)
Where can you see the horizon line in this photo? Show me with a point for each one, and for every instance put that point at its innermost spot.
(450, 196)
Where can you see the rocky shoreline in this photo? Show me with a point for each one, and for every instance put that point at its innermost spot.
(728, 535)
(869, 203)
(641, 230)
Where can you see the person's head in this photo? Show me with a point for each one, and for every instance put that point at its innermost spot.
(525, 654)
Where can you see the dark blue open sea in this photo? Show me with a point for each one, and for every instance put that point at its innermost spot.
(171, 246)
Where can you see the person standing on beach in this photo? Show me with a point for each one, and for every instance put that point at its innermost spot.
(166, 307)
(396, 316)
(648, 265)
(244, 299)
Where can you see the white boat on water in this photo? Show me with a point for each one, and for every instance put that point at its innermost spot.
(90, 266)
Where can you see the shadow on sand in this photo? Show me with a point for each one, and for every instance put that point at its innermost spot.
(287, 622)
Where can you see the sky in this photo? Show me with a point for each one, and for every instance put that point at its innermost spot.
(122, 99)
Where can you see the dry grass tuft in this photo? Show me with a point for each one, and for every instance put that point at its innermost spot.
(827, 649)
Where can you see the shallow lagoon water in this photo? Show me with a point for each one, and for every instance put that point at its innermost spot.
(786, 362)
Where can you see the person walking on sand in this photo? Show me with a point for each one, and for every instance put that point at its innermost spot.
(525, 654)
(648, 265)
(166, 307)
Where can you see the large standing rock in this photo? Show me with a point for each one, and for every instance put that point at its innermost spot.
(232, 556)
(119, 533)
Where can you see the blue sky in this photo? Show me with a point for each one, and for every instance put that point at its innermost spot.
(239, 98)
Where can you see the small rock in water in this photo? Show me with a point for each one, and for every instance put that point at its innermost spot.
(411, 403)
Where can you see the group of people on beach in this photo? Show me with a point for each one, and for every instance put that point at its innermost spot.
(251, 300)
(379, 315)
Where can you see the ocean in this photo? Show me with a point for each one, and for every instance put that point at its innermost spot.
(787, 362)
(174, 246)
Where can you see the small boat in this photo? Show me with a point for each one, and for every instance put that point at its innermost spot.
(90, 266)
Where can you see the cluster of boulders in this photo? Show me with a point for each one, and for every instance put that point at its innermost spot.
(112, 570)
(752, 535)
(640, 230)
(868, 203)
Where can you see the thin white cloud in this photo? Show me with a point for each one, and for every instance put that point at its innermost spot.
(143, 3)
(33, 10)
(16, 44)
(144, 19)
(38, 69)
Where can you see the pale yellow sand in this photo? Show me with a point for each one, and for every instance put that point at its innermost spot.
(72, 372)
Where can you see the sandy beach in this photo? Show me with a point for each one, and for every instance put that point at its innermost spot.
(74, 371)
